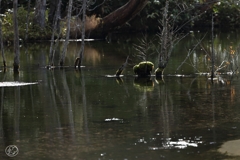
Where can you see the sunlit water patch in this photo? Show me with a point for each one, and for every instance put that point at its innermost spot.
(170, 143)
(178, 144)
(16, 84)
(114, 76)
(113, 120)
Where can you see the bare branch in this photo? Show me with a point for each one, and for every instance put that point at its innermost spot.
(190, 52)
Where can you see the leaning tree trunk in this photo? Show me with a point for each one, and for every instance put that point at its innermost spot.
(16, 38)
(115, 19)
(123, 14)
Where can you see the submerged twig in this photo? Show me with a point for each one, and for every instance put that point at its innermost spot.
(120, 70)
(190, 52)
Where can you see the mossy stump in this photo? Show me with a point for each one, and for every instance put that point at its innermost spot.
(143, 69)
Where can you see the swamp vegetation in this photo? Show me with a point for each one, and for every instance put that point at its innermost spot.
(175, 94)
(67, 114)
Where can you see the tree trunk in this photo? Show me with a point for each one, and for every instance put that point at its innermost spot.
(40, 9)
(101, 27)
(213, 54)
(123, 14)
(68, 33)
(54, 30)
(1, 43)
(16, 38)
(81, 51)
(53, 7)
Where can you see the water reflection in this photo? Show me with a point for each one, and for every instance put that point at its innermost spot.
(85, 115)
(1, 120)
(178, 144)
(144, 83)
(95, 53)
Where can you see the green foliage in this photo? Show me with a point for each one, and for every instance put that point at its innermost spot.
(187, 13)
(7, 26)
(152, 13)
(226, 15)
(191, 13)
(196, 15)
(34, 31)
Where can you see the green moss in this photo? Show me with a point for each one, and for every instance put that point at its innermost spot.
(144, 84)
(143, 68)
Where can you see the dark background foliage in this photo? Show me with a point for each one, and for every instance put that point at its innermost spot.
(196, 15)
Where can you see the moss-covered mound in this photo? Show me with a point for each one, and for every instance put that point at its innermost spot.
(143, 68)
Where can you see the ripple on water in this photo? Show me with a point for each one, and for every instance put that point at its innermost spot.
(170, 143)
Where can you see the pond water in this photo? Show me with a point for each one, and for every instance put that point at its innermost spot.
(78, 115)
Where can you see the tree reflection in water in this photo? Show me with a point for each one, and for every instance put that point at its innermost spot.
(77, 115)
(166, 105)
(2, 142)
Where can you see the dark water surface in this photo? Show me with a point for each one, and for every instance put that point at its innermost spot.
(84, 115)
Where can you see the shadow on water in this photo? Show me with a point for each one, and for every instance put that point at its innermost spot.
(83, 114)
